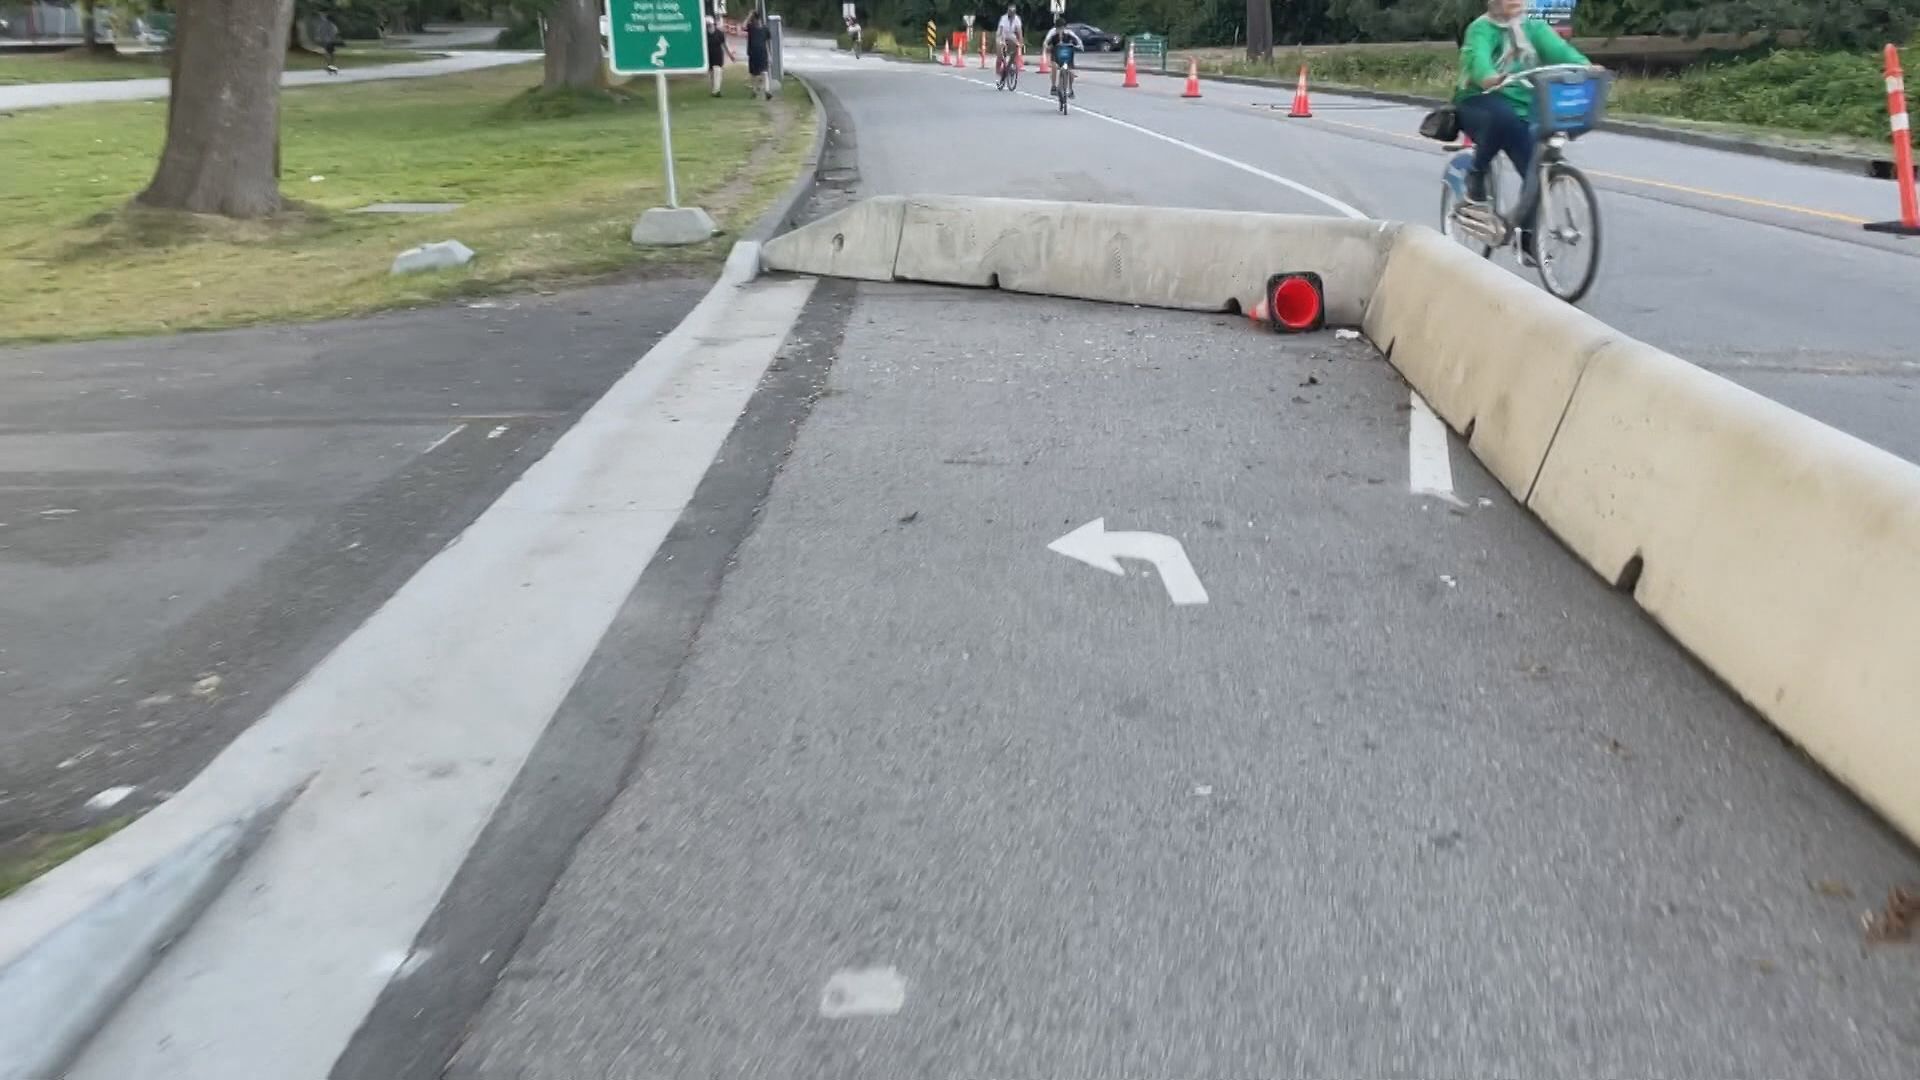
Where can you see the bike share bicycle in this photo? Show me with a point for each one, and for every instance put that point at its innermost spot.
(1568, 102)
(1063, 73)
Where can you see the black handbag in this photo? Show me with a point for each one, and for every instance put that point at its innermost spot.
(1442, 123)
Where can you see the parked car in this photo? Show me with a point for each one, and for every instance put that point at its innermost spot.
(1094, 38)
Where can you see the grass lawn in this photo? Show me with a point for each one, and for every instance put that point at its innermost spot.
(550, 192)
(1786, 91)
(79, 65)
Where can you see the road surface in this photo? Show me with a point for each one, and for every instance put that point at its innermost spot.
(879, 771)
(48, 95)
(1412, 793)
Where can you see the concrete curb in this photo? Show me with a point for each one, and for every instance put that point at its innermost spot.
(1781, 553)
(1856, 164)
(779, 216)
(57, 993)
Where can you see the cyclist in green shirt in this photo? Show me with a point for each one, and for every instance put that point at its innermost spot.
(1494, 110)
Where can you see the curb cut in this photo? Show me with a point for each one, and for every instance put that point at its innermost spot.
(1855, 164)
(779, 217)
(56, 995)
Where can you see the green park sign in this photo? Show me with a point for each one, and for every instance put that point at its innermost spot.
(665, 37)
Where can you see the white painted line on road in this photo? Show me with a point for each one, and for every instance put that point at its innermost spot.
(496, 432)
(1252, 170)
(1429, 465)
(442, 440)
(1094, 545)
(863, 992)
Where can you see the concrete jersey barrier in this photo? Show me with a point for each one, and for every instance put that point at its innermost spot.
(1192, 260)
(1783, 554)
(1780, 552)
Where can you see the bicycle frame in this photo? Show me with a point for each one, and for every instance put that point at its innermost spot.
(1503, 228)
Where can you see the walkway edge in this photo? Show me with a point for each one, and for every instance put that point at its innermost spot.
(56, 994)
(779, 217)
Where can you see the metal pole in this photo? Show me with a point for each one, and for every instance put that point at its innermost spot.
(666, 139)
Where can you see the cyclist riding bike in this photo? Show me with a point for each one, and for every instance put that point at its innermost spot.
(1062, 44)
(1009, 35)
(1495, 108)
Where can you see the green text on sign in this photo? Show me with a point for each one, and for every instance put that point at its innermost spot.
(656, 35)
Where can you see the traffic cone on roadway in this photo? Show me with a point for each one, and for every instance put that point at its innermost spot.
(1133, 77)
(1044, 69)
(1301, 109)
(1193, 78)
(946, 56)
(1259, 312)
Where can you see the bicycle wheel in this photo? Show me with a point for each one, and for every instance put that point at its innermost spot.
(1568, 233)
(1449, 202)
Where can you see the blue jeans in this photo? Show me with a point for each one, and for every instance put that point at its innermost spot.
(1497, 128)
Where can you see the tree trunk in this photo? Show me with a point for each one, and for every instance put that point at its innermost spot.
(1259, 30)
(223, 120)
(573, 45)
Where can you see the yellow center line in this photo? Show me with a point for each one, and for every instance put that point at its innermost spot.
(1765, 204)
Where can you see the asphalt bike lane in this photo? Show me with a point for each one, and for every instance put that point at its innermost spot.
(1410, 791)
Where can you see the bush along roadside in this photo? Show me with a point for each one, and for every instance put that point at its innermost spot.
(1799, 91)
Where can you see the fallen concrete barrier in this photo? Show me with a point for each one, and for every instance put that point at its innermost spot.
(1495, 357)
(1783, 554)
(1193, 260)
(860, 242)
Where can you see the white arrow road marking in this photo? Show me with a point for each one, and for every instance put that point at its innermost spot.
(1429, 468)
(1094, 545)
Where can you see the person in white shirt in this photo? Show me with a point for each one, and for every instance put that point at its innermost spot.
(1009, 34)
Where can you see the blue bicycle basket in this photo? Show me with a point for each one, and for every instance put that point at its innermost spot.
(1062, 54)
(1569, 102)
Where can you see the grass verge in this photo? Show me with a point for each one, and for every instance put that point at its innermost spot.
(551, 188)
(80, 65)
(27, 859)
(1794, 91)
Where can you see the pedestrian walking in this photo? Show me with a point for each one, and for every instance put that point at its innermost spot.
(718, 53)
(759, 41)
(327, 36)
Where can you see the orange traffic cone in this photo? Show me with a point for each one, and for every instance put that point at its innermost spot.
(1259, 312)
(946, 56)
(1133, 77)
(1044, 69)
(1020, 58)
(1193, 78)
(1300, 107)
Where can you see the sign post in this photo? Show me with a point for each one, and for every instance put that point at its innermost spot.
(661, 38)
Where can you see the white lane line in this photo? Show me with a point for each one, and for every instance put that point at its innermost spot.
(442, 440)
(1429, 466)
(1251, 170)
(863, 992)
